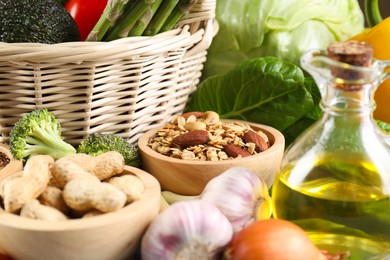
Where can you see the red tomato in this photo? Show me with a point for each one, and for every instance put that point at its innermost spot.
(86, 14)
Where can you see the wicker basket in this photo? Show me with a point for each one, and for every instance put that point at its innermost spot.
(126, 86)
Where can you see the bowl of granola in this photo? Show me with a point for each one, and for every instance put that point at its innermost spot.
(194, 147)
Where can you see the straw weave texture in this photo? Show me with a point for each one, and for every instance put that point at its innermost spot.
(126, 86)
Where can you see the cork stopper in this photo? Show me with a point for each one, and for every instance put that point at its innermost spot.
(353, 53)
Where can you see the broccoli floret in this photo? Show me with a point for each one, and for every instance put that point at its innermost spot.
(38, 132)
(98, 143)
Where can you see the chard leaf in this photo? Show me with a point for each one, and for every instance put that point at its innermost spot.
(291, 132)
(265, 90)
(385, 127)
(311, 86)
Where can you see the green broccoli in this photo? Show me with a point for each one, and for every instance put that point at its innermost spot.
(38, 132)
(98, 143)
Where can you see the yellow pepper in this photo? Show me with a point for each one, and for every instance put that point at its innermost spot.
(379, 37)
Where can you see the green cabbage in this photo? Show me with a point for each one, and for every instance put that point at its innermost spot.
(281, 28)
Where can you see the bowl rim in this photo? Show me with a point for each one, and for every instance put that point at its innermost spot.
(13, 166)
(5, 149)
(276, 135)
(152, 189)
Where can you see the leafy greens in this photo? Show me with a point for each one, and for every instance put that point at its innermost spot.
(265, 90)
(385, 127)
(283, 28)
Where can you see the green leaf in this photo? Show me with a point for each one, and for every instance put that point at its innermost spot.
(385, 127)
(291, 132)
(311, 86)
(264, 90)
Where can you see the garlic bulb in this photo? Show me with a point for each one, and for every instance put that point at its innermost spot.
(238, 193)
(187, 230)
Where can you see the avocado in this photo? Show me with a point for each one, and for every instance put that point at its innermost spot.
(63, 2)
(40, 21)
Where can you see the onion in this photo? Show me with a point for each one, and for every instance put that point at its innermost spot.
(273, 239)
(4, 257)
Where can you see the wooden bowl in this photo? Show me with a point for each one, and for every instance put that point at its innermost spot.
(109, 236)
(13, 165)
(188, 177)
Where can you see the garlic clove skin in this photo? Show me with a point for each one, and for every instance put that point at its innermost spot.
(264, 203)
(187, 230)
(240, 195)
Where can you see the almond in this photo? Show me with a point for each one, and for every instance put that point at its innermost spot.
(194, 137)
(234, 151)
(253, 137)
(197, 114)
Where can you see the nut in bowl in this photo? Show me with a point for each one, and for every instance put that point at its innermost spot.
(197, 146)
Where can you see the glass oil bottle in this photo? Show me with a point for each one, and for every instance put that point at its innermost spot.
(334, 180)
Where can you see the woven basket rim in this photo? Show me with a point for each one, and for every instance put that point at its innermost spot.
(74, 52)
(192, 28)
(193, 17)
(88, 44)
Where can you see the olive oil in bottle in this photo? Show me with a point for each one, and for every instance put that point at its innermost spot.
(338, 215)
(334, 180)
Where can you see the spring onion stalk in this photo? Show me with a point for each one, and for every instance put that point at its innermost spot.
(180, 10)
(372, 12)
(160, 17)
(110, 14)
(143, 22)
(128, 20)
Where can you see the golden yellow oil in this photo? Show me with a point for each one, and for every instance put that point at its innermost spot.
(341, 205)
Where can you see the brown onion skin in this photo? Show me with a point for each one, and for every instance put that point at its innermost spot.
(273, 239)
(4, 257)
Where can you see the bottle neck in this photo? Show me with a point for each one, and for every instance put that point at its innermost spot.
(339, 100)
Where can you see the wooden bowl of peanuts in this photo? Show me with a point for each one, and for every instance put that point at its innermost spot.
(49, 212)
(194, 147)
